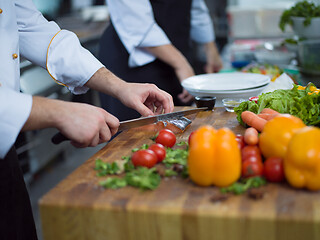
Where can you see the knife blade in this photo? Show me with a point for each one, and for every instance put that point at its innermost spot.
(138, 122)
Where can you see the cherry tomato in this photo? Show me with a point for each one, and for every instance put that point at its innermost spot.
(166, 137)
(240, 140)
(251, 151)
(273, 169)
(190, 136)
(159, 150)
(254, 99)
(144, 158)
(252, 169)
(253, 158)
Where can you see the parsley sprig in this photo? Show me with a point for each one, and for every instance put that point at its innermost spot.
(142, 177)
(244, 185)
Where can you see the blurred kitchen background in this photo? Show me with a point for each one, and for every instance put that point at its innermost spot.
(247, 34)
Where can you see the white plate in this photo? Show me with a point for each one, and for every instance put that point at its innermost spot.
(227, 91)
(230, 94)
(222, 82)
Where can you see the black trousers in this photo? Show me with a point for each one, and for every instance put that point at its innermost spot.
(16, 219)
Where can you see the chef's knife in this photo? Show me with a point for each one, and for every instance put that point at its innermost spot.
(124, 125)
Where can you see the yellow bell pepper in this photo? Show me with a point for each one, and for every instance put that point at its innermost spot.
(312, 88)
(276, 134)
(214, 157)
(302, 159)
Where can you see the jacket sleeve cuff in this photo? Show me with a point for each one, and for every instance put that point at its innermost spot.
(154, 37)
(69, 64)
(14, 112)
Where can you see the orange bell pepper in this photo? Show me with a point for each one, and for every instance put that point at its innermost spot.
(302, 160)
(277, 133)
(214, 157)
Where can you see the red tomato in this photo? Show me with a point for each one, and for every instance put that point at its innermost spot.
(240, 141)
(251, 151)
(252, 169)
(166, 137)
(273, 169)
(253, 158)
(189, 139)
(144, 158)
(254, 99)
(159, 150)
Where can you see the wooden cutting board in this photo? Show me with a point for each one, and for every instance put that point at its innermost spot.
(78, 209)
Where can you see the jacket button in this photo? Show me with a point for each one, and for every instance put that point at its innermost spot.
(1, 11)
(14, 56)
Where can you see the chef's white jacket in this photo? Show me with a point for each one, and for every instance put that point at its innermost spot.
(135, 24)
(23, 30)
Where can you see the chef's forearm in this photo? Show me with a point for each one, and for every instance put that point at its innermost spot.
(211, 47)
(211, 50)
(45, 113)
(170, 55)
(106, 82)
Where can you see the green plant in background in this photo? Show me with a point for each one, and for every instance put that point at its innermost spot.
(304, 9)
(295, 40)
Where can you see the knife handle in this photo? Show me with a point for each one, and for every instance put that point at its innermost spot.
(58, 138)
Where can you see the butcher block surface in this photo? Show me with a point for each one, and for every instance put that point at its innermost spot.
(78, 208)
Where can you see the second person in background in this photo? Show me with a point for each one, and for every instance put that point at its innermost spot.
(148, 41)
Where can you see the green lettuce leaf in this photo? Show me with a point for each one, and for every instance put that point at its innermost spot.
(245, 106)
(295, 102)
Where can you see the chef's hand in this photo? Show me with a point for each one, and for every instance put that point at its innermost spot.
(146, 98)
(85, 125)
(214, 62)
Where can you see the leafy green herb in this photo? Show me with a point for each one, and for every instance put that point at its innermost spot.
(143, 178)
(170, 173)
(113, 183)
(128, 166)
(104, 168)
(304, 9)
(185, 172)
(144, 146)
(153, 138)
(182, 143)
(178, 156)
(126, 158)
(242, 187)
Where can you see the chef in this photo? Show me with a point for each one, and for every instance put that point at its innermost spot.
(149, 42)
(23, 30)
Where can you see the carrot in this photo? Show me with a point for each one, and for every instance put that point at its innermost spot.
(269, 111)
(251, 136)
(267, 116)
(253, 120)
